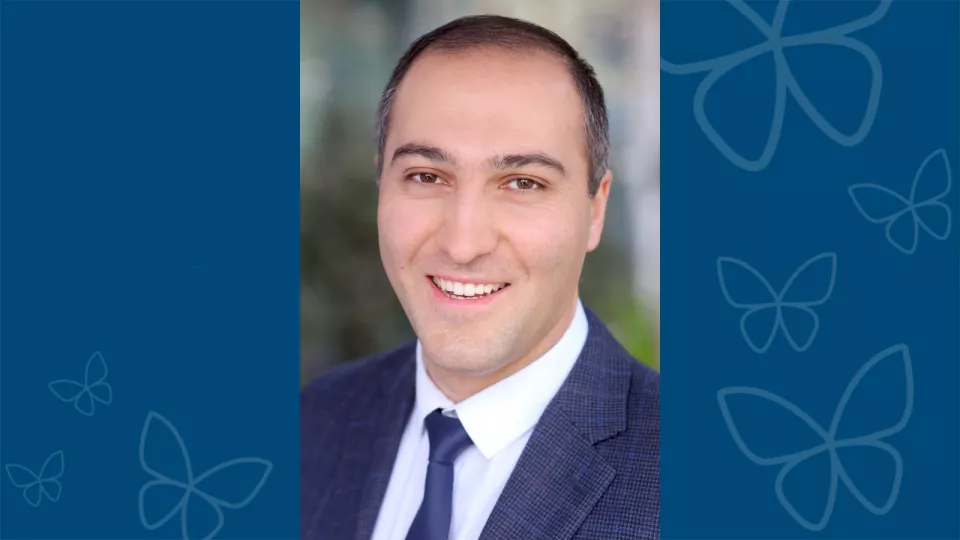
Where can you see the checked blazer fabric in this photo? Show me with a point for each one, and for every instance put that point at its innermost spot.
(590, 471)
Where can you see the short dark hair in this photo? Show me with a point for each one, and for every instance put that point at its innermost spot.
(487, 31)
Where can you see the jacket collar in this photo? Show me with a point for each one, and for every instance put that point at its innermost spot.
(595, 394)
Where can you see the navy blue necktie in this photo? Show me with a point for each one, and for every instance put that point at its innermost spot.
(447, 440)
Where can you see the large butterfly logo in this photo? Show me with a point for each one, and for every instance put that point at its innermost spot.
(830, 441)
(776, 43)
(209, 492)
(768, 310)
(93, 389)
(905, 216)
(36, 486)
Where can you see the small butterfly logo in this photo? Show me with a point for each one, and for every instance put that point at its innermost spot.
(837, 447)
(94, 388)
(786, 83)
(46, 484)
(185, 488)
(770, 309)
(905, 216)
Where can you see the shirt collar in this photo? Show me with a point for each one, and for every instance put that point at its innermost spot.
(503, 412)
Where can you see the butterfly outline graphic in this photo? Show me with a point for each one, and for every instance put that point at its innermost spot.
(778, 302)
(36, 486)
(191, 485)
(830, 443)
(909, 207)
(94, 387)
(786, 83)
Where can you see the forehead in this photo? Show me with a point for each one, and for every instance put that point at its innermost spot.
(479, 102)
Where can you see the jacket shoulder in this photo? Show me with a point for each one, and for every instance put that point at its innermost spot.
(644, 403)
(634, 495)
(646, 384)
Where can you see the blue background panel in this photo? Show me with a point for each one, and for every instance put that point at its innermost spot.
(810, 285)
(149, 224)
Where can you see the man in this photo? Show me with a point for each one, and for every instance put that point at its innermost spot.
(515, 414)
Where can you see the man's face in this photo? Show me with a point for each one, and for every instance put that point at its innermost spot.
(473, 201)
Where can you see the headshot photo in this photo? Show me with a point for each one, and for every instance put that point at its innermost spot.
(480, 271)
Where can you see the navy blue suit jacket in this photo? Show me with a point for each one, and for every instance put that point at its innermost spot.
(590, 471)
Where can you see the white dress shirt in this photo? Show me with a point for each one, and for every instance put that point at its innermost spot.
(498, 419)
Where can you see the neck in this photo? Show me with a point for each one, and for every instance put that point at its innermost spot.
(459, 386)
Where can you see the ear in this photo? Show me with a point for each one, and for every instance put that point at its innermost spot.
(598, 211)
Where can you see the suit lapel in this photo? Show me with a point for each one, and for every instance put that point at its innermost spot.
(389, 422)
(558, 480)
(560, 475)
(374, 424)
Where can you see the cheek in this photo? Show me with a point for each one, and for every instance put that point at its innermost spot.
(403, 227)
(549, 241)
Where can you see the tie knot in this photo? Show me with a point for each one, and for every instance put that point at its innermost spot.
(447, 437)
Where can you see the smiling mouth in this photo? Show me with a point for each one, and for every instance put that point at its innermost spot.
(467, 291)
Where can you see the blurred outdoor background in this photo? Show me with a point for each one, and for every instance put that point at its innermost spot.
(347, 50)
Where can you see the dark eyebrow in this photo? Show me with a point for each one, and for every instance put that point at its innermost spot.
(515, 161)
(431, 153)
(508, 161)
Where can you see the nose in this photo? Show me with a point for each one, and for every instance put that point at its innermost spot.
(468, 230)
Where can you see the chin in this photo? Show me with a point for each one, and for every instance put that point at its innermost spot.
(473, 357)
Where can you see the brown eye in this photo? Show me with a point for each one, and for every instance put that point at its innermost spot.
(425, 178)
(524, 184)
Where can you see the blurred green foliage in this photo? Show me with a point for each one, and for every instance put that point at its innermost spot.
(635, 328)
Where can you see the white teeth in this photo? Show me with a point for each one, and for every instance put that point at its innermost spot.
(467, 290)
